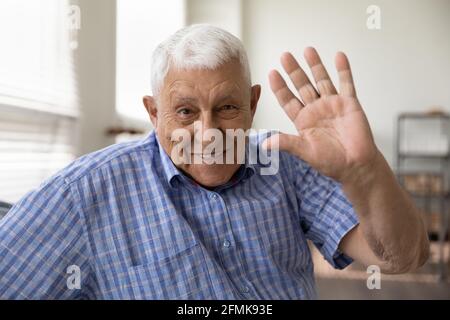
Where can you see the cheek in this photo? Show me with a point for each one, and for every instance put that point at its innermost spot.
(172, 140)
(239, 123)
(168, 123)
(242, 120)
(245, 117)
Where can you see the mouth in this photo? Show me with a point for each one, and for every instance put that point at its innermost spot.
(210, 156)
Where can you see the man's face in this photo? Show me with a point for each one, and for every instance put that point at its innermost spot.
(217, 99)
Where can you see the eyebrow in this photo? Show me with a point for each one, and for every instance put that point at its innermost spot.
(227, 97)
(179, 99)
(192, 100)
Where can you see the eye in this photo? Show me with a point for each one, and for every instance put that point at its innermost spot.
(184, 112)
(228, 107)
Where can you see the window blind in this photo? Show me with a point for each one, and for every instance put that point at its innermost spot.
(38, 96)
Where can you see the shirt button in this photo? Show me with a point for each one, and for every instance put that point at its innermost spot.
(214, 196)
(245, 289)
(226, 244)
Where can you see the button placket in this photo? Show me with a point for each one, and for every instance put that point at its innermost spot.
(214, 196)
(227, 244)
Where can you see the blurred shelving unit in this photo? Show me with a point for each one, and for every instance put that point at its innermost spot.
(423, 168)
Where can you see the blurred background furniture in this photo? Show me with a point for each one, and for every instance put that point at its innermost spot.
(4, 208)
(422, 167)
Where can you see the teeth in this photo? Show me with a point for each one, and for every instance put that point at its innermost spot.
(207, 155)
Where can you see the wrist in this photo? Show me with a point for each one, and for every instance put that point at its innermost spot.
(361, 178)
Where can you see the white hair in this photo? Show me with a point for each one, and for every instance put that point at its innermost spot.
(199, 46)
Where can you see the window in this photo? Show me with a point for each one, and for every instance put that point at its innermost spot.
(38, 98)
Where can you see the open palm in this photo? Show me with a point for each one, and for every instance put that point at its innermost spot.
(334, 134)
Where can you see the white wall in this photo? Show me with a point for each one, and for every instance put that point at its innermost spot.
(95, 60)
(403, 66)
(224, 14)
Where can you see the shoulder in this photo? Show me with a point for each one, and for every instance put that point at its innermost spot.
(113, 158)
(118, 156)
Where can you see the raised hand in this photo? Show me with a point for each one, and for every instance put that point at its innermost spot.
(334, 134)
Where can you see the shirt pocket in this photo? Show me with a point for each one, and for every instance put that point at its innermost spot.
(182, 275)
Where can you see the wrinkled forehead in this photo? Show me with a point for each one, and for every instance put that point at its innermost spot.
(188, 90)
(226, 80)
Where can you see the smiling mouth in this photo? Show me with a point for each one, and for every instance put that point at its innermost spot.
(210, 155)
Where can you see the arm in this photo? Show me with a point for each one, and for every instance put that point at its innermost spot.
(391, 233)
(41, 239)
(334, 137)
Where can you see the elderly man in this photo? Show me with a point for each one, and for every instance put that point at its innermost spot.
(133, 222)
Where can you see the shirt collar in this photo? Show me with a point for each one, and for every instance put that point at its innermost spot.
(169, 169)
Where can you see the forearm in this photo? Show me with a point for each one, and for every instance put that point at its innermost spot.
(390, 222)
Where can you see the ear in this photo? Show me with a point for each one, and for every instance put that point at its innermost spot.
(152, 110)
(255, 94)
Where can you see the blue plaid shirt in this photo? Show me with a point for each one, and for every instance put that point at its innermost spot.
(137, 228)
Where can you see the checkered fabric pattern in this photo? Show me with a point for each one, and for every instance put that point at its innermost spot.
(129, 225)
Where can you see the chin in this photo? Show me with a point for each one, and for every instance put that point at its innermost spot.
(211, 175)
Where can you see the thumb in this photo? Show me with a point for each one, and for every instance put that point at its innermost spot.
(293, 144)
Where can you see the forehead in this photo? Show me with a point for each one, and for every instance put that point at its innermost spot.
(226, 79)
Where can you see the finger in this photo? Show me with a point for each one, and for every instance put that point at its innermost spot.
(299, 78)
(291, 105)
(293, 144)
(320, 74)
(346, 85)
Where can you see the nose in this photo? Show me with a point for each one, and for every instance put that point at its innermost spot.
(205, 128)
(208, 121)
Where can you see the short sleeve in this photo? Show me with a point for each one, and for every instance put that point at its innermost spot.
(326, 215)
(44, 252)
